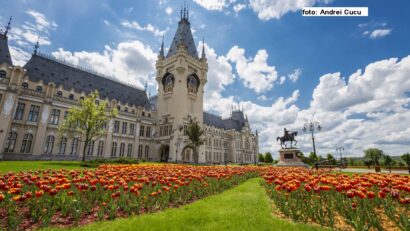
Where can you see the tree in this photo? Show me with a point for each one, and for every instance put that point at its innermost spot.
(331, 159)
(268, 157)
(87, 120)
(261, 158)
(195, 133)
(374, 154)
(388, 161)
(313, 158)
(406, 158)
(368, 163)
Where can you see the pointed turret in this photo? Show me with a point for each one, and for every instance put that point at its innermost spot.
(4, 46)
(183, 36)
(203, 56)
(161, 52)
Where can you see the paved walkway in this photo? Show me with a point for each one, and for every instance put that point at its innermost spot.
(371, 170)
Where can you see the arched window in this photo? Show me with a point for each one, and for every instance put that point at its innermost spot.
(129, 150)
(2, 74)
(81, 98)
(146, 151)
(193, 83)
(74, 146)
(126, 109)
(39, 89)
(11, 142)
(143, 113)
(122, 149)
(48, 148)
(168, 82)
(63, 145)
(100, 148)
(26, 144)
(114, 149)
(24, 85)
(118, 107)
(71, 97)
(140, 151)
(90, 148)
(59, 94)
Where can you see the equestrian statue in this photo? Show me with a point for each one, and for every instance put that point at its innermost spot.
(288, 136)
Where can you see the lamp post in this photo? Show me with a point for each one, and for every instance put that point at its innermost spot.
(340, 149)
(311, 127)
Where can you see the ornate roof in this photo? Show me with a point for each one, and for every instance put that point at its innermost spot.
(236, 122)
(49, 69)
(4, 50)
(183, 35)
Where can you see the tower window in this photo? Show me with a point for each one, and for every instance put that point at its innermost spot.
(193, 83)
(71, 97)
(39, 89)
(24, 85)
(168, 82)
(59, 94)
(2, 75)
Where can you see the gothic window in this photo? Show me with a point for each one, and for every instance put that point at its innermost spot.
(39, 89)
(142, 130)
(168, 82)
(2, 75)
(124, 127)
(132, 129)
(114, 149)
(11, 142)
(48, 148)
(122, 149)
(71, 97)
(146, 151)
(26, 144)
(24, 85)
(90, 148)
(116, 126)
(148, 134)
(193, 83)
(140, 151)
(129, 150)
(74, 146)
(100, 148)
(63, 145)
(59, 94)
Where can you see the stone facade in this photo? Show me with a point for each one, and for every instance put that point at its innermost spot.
(34, 100)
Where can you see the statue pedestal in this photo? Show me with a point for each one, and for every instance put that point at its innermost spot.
(289, 158)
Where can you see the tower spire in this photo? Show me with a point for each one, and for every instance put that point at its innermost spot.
(36, 46)
(161, 52)
(146, 86)
(8, 27)
(203, 56)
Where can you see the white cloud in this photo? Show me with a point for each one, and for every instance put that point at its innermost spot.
(378, 33)
(149, 27)
(262, 98)
(169, 10)
(23, 37)
(294, 76)
(255, 73)
(19, 56)
(282, 80)
(42, 23)
(131, 62)
(214, 4)
(275, 9)
(238, 7)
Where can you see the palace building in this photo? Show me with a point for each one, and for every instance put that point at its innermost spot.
(35, 99)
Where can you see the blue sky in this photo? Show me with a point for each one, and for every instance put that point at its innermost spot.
(282, 68)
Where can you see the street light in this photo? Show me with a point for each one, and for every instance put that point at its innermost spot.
(311, 127)
(340, 149)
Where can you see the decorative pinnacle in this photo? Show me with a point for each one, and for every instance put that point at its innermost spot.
(37, 45)
(8, 27)
(203, 48)
(161, 52)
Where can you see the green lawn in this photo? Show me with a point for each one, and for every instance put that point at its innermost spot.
(16, 166)
(245, 207)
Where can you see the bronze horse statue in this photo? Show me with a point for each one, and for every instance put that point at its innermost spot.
(287, 137)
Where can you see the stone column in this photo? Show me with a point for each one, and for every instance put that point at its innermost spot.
(108, 140)
(136, 139)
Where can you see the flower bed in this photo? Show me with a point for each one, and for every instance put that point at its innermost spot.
(65, 198)
(361, 202)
